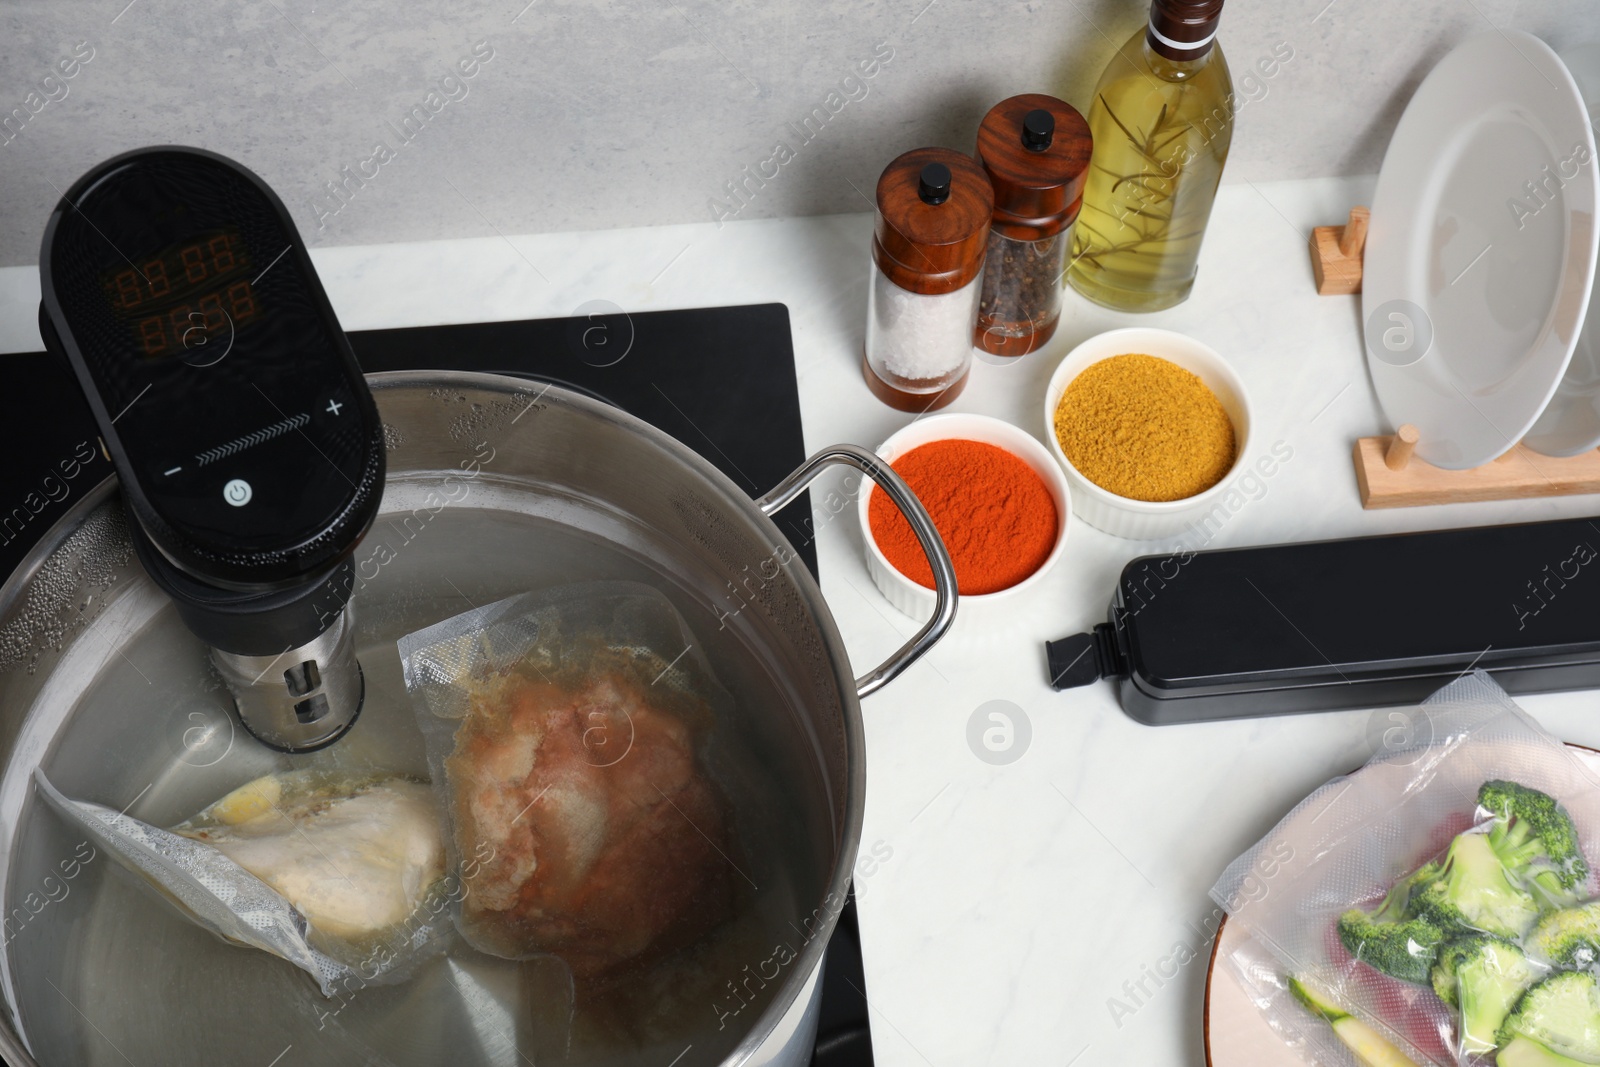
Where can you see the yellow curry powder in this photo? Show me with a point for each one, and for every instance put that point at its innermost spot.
(1145, 428)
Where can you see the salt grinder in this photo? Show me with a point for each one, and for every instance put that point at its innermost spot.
(928, 242)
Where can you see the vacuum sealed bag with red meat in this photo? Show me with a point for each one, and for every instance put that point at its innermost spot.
(567, 730)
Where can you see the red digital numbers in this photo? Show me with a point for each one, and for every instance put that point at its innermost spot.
(221, 252)
(155, 276)
(153, 336)
(242, 300)
(176, 272)
(211, 311)
(127, 283)
(187, 327)
(194, 265)
(172, 286)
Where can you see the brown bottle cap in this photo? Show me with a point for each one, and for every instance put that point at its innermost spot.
(932, 227)
(1183, 29)
(1035, 149)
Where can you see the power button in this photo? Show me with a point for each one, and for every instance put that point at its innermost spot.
(237, 492)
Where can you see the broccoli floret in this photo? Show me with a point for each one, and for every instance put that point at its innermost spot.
(1569, 938)
(1405, 950)
(1370, 1047)
(1473, 893)
(1561, 1013)
(1534, 837)
(1483, 976)
(1451, 955)
(1425, 874)
(1443, 976)
(1390, 938)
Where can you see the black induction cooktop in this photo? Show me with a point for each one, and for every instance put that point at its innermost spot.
(721, 380)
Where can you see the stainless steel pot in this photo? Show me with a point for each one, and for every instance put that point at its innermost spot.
(495, 486)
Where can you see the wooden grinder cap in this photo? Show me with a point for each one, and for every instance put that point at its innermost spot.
(934, 247)
(1037, 176)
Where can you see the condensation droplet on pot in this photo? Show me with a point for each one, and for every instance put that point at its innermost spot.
(94, 556)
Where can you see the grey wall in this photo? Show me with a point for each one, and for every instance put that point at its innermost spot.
(602, 113)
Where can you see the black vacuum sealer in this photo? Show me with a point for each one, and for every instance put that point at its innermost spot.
(1355, 623)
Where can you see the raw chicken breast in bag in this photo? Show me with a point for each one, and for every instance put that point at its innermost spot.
(566, 730)
(342, 876)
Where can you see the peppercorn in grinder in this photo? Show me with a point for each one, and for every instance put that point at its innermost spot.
(1036, 151)
(246, 443)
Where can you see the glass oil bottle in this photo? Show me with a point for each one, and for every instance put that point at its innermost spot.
(1162, 121)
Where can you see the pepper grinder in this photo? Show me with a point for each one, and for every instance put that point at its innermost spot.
(928, 241)
(1035, 150)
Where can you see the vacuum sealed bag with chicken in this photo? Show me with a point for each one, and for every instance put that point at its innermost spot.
(1438, 906)
(343, 877)
(567, 730)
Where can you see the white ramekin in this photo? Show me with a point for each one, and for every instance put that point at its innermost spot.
(1145, 520)
(978, 610)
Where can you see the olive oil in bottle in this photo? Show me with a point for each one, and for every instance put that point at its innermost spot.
(1162, 119)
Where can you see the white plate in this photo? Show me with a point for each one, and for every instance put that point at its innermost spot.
(1236, 1035)
(1571, 421)
(1471, 304)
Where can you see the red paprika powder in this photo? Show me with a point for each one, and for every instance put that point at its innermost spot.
(996, 515)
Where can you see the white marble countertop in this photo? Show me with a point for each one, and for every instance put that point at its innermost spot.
(1011, 914)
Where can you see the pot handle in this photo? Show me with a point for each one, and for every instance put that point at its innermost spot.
(944, 572)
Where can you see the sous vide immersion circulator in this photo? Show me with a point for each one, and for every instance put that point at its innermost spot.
(246, 442)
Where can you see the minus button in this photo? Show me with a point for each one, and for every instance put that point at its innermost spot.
(171, 472)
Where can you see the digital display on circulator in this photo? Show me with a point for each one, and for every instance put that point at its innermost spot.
(180, 298)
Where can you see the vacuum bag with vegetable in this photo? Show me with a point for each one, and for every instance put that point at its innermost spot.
(1438, 904)
(567, 731)
(343, 877)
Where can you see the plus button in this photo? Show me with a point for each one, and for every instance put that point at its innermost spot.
(333, 407)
